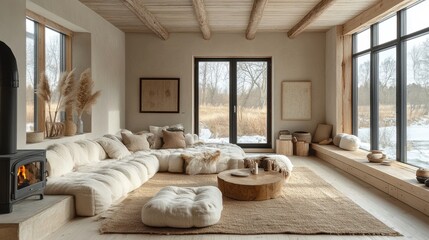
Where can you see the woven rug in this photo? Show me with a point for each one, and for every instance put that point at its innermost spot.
(308, 205)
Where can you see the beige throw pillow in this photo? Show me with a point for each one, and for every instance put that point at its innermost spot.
(323, 132)
(173, 139)
(135, 143)
(114, 149)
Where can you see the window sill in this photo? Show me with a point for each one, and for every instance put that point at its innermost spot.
(397, 180)
(49, 141)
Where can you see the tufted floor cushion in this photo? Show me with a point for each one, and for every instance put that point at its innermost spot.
(183, 207)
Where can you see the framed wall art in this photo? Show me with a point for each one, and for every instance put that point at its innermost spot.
(159, 95)
(296, 100)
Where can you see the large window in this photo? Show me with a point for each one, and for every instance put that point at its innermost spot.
(233, 102)
(391, 85)
(46, 53)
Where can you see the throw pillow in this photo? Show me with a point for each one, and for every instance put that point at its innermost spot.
(157, 136)
(204, 162)
(173, 139)
(323, 132)
(350, 142)
(114, 149)
(135, 143)
(337, 139)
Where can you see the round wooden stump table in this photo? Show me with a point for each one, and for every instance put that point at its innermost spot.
(262, 186)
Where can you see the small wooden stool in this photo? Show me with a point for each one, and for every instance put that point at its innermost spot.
(301, 148)
(284, 147)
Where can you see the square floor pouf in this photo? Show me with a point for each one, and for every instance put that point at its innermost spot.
(183, 207)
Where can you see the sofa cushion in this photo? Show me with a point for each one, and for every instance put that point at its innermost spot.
(59, 160)
(135, 143)
(114, 149)
(183, 207)
(173, 139)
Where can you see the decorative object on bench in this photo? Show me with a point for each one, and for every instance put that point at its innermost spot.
(347, 141)
(84, 97)
(35, 137)
(422, 174)
(376, 156)
(197, 163)
(337, 139)
(326, 141)
(427, 183)
(181, 207)
(323, 133)
(257, 187)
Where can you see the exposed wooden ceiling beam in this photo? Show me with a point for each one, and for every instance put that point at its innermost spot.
(147, 18)
(309, 18)
(374, 14)
(255, 18)
(203, 21)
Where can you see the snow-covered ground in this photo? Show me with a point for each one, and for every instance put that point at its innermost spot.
(206, 136)
(417, 143)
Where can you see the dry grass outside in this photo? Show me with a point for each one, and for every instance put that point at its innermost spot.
(250, 121)
(387, 115)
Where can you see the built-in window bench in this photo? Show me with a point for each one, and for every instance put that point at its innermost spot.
(397, 180)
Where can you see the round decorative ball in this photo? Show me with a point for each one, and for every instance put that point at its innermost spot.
(422, 172)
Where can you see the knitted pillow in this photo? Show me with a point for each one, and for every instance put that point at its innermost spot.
(135, 143)
(173, 139)
(114, 149)
(323, 132)
(350, 142)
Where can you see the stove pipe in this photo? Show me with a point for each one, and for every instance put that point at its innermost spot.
(9, 83)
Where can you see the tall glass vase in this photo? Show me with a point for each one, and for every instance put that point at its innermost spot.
(79, 126)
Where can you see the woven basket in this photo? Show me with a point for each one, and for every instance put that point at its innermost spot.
(302, 136)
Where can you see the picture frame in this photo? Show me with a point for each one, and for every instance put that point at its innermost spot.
(159, 95)
(296, 100)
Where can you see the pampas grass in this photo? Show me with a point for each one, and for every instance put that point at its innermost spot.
(84, 96)
(66, 95)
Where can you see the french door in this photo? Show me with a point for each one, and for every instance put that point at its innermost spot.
(233, 101)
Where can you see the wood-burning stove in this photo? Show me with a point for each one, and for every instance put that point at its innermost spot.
(22, 172)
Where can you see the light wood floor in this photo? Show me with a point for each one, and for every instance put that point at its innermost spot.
(395, 214)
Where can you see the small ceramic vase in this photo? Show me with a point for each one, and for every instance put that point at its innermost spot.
(422, 175)
(376, 156)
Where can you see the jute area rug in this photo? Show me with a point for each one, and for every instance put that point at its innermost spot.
(308, 205)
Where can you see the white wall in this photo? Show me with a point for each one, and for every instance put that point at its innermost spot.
(302, 58)
(107, 62)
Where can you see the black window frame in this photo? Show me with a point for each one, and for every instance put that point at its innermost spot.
(233, 97)
(401, 80)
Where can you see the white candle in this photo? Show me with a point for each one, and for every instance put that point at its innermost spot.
(256, 168)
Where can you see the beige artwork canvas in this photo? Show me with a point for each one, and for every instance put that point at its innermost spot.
(296, 100)
(159, 95)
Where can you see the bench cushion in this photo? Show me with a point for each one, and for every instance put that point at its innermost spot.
(183, 207)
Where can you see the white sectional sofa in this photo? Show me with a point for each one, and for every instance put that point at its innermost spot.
(101, 172)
